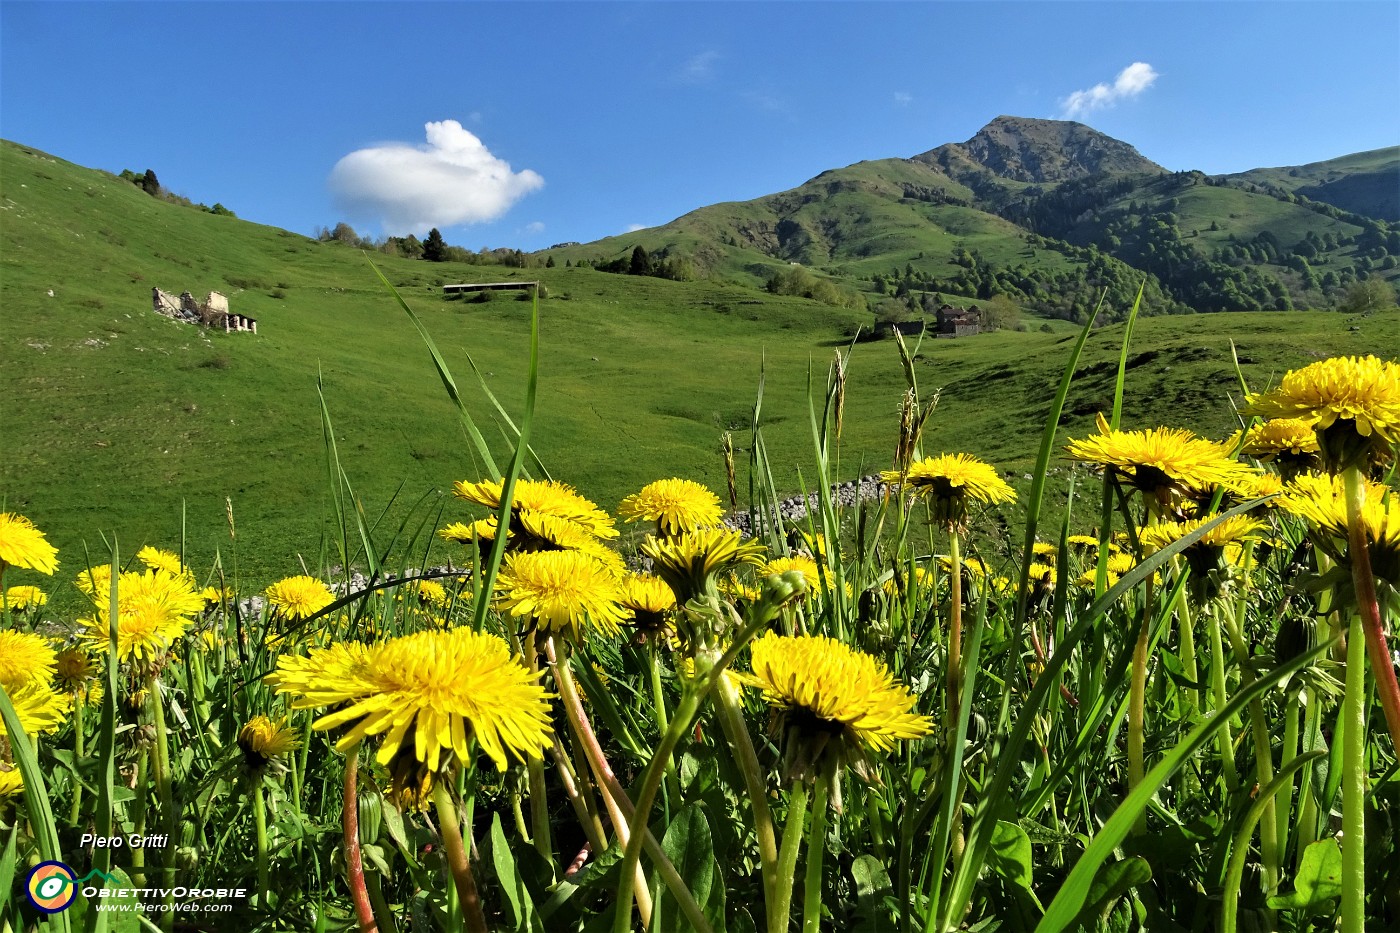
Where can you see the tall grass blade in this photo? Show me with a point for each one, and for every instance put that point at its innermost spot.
(1065, 907)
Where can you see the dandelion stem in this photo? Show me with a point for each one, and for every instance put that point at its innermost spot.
(816, 849)
(539, 802)
(1364, 582)
(350, 826)
(457, 861)
(736, 733)
(79, 701)
(608, 785)
(1137, 702)
(260, 825)
(955, 681)
(160, 766)
(787, 858)
(1353, 725)
(1226, 743)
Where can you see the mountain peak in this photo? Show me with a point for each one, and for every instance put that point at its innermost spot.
(1027, 149)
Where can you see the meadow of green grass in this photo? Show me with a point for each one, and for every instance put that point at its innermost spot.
(116, 418)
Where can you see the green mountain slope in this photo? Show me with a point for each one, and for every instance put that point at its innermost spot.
(1047, 212)
(116, 419)
(1362, 183)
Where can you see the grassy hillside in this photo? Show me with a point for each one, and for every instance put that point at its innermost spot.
(115, 416)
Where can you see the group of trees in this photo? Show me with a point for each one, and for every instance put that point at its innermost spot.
(663, 265)
(149, 183)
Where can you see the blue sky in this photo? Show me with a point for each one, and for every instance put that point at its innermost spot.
(528, 124)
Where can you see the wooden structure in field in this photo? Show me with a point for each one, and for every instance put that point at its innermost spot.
(212, 312)
(465, 287)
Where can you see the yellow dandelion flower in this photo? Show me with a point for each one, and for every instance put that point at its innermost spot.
(1163, 463)
(264, 742)
(298, 597)
(430, 593)
(542, 532)
(156, 559)
(676, 505)
(1232, 530)
(1281, 437)
(1320, 499)
(834, 701)
(96, 582)
(817, 579)
(11, 783)
(1208, 557)
(153, 611)
(949, 482)
(39, 707)
(898, 584)
(20, 598)
(690, 563)
(461, 533)
(648, 598)
(423, 695)
(75, 673)
(563, 591)
(25, 657)
(1083, 542)
(547, 496)
(1351, 402)
(1044, 550)
(24, 546)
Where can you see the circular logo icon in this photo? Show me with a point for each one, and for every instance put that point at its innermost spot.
(51, 887)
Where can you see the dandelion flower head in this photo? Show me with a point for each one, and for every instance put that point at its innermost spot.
(299, 597)
(424, 696)
(22, 545)
(676, 505)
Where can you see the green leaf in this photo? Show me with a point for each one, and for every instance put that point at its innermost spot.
(1318, 882)
(1010, 855)
(688, 845)
(1111, 883)
(521, 905)
(872, 885)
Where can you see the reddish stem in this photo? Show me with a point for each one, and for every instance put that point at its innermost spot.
(354, 866)
(1368, 605)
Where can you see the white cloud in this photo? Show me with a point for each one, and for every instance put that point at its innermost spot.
(903, 98)
(1131, 82)
(698, 68)
(633, 228)
(535, 226)
(452, 179)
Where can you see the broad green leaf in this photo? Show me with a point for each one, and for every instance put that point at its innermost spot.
(1111, 883)
(872, 884)
(1010, 855)
(688, 845)
(1319, 880)
(521, 905)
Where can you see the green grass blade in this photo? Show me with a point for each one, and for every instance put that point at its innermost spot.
(1042, 466)
(996, 796)
(445, 375)
(487, 583)
(1065, 907)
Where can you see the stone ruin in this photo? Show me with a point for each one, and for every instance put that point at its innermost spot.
(212, 312)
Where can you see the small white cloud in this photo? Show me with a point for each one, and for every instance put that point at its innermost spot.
(903, 98)
(534, 226)
(452, 179)
(698, 68)
(762, 100)
(633, 228)
(1131, 82)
